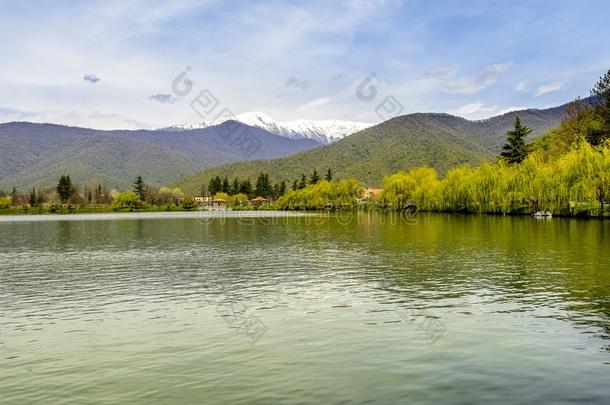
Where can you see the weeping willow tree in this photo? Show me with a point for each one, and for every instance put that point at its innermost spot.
(323, 194)
(576, 183)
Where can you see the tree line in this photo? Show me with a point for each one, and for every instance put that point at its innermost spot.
(66, 192)
(263, 186)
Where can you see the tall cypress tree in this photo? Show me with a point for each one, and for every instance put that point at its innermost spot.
(225, 185)
(33, 197)
(139, 188)
(515, 150)
(14, 195)
(329, 175)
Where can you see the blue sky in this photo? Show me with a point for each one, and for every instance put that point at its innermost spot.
(111, 63)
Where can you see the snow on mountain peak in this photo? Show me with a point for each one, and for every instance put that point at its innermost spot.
(325, 131)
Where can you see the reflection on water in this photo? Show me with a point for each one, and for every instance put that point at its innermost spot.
(298, 309)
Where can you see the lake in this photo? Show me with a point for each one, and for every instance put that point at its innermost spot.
(293, 309)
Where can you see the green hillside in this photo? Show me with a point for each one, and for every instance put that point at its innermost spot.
(437, 140)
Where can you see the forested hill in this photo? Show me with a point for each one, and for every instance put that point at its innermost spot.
(423, 139)
(38, 154)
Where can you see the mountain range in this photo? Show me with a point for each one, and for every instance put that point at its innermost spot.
(324, 132)
(441, 141)
(38, 154)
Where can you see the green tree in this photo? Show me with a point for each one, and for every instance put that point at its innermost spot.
(225, 186)
(601, 99)
(314, 177)
(515, 150)
(65, 188)
(329, 175)
(127, 200)
(234, 187)
(5, 202)
(33, 199)
(98, 194)
(215, 186)
(246, 188)
(263, 186)
(295, 185)
(14, 195)
(139, 188)
(188, 204)
(280, 188)
(240, 200)
(302, 182)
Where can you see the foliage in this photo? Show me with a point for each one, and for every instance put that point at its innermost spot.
(515, 149)
(576, 183)
(420, 186)
(127, 200)
(324, 194)
(240, 200)
(188, 204)
(5, 202)
(139, 188)
(440, 141)
(65, 188)
(263, 186)
(223, 196)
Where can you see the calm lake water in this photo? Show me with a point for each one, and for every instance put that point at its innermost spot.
(181, 308)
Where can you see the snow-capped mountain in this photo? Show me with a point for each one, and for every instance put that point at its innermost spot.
(325, 131)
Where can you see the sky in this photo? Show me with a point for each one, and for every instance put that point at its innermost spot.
(149, 64)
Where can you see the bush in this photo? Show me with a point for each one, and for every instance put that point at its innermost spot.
(188, 204)
(5, 202)
(127, 200)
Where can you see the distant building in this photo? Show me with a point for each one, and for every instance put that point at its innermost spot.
(202, 199)
(370, 194)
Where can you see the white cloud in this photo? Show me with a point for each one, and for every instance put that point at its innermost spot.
(510, 109)
(318, 102)
(522, 86)
(95, 120)
(472, 109)
(479, 110)
(550, 87)
(473, 84)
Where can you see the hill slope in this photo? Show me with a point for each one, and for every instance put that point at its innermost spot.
(37, 154)
(438, 140)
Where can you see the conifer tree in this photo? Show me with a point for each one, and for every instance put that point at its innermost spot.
(65, 189)
(263, 187)
(33, 197)
(601, 98)
(139, 188)
(246, 188)
(314, 177)
(303, 182)
(329, 175)
(515, 150)
(215, 186)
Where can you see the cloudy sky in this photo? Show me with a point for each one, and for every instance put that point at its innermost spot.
(111, 64)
